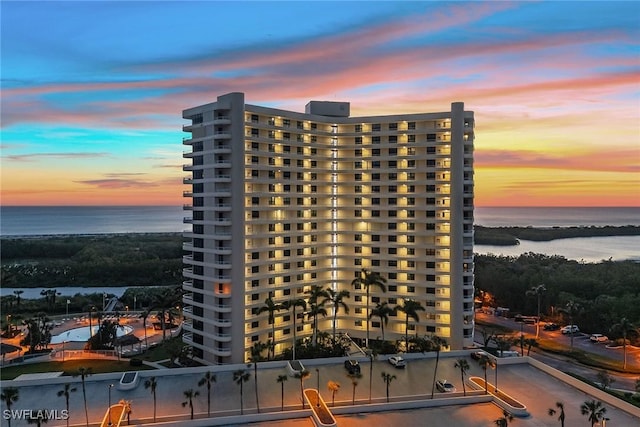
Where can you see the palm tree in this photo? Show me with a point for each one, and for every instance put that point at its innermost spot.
(382, 311)
(165, 302)
(255, 357)
(316, 307)
(271, 307)
(336, 299)
(410, 308)
(241, 376)
(371, 354)
(530, 342)
(66, 392)
(624, 327)
(84, 373)
(17, 294)
(485, 362)
(504, 420)
(354, 377)
(152, 384)
(302, 375)
(9, 396)
(463, 365)
(208, 379)
(368, 279)
(144, 315)
(571, 309)
(40, 418)
(560, 407)
(594, 410)
(387, 378)
(281, 379)
(189, 395)
(333, 387)
(291, 305)
(436, 345)
(537, 291)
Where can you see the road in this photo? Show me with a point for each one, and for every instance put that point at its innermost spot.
(580, 342)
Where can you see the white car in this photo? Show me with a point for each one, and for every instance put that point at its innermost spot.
(445, 386)
(397, 361)
(570, 329)
(598, 338)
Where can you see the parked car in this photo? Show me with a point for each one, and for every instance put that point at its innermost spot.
(445, 386)
(598, 338)
(570, 329)
(476, 355)
(397, 361)
(352, 366)
(551, 327)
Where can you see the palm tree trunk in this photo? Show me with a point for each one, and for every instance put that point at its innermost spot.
(367, 320)
(435, 373)
(255, 380)
(293, 355)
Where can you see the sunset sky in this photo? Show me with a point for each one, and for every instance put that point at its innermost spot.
(92, 92)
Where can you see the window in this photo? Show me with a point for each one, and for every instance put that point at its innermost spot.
(393, 164)
(255, 200)
(256, 255)
(375, 152)
(358, 140)
(393, 126)
(411, 125)
(255, 214)
(357, 165)
(358, 189)
(358, 128)
(393, 139)
(411, 138)
(392, 226)
(255, 160)
(375, 127)
(375, 164)
(375, 201)
(255, 297)
(431, 137)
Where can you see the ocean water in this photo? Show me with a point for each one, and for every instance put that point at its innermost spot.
(61, 220)
(55, 220)
(51, 220)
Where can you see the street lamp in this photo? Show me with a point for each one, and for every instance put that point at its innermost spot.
(104, 297)
(110, 387)
(68, 302)
(134, 303)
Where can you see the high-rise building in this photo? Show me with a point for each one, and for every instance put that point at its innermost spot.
(283, 200)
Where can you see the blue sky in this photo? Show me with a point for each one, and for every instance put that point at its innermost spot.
(92, 92)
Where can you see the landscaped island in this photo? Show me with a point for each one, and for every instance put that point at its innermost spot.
(510, 236)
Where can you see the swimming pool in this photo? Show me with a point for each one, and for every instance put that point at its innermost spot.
(83, 335)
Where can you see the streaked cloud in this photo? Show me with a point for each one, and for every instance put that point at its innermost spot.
(555, 88)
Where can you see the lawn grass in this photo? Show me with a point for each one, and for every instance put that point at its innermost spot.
(69, 367)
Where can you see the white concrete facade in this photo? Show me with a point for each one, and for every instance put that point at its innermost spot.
(283, 200)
